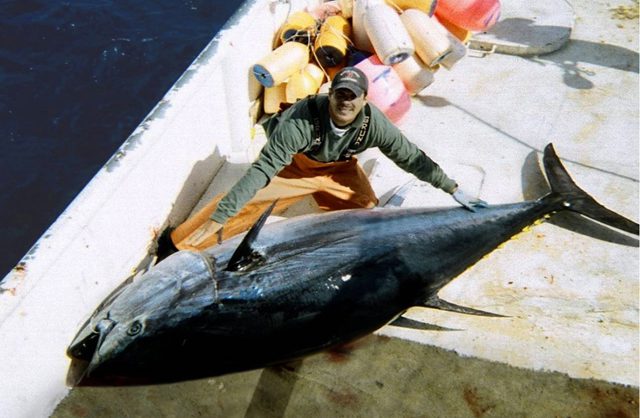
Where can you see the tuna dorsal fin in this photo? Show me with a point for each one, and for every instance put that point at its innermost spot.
(436, 303)
(245, 256)
(408, 323)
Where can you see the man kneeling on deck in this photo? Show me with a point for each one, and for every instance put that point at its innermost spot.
(309, 151)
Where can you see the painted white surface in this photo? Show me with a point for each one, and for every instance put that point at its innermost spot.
(110, 228)
(571, 299)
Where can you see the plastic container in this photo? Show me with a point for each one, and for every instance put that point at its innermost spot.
(272, 98)
(387, 34)
(332, 42)
(281, 63)
(430, 38)
(427, 6)
(473, 15)
(415, 74)
(299, 27)
(386, 89)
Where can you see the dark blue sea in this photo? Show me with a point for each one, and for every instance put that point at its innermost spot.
(76, 78)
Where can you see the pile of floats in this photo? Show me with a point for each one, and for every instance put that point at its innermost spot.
(399, 44)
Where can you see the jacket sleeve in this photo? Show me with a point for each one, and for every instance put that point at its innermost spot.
(408, 156)
(285, 141)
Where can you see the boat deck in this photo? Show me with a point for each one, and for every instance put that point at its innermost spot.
(568, 287)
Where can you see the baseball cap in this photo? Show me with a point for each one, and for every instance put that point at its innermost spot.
(351, 78)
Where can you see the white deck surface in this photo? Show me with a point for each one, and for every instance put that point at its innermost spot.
(571, 294)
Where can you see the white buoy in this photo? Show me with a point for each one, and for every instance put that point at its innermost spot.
(387, 34)
(458, 51)
(360, 37)
(429, 37)
(415, 74)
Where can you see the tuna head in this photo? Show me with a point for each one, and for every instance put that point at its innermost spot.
(138, 315)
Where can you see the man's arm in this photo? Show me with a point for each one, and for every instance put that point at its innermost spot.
(285, 141)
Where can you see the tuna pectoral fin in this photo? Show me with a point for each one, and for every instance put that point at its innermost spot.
(398, 195)
(576, 199)
(436, 303)
(245, 256)
(408, 323)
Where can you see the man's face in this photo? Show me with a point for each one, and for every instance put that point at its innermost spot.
(344, 106)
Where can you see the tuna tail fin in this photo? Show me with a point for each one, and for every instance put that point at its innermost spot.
(577, 200)
(245, 256)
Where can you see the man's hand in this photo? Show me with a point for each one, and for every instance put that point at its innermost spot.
(467, 201)
(206, 235)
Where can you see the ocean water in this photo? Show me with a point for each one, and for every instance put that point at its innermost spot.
(76, 78)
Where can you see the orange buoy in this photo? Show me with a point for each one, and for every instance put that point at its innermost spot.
(462, 34)
(430, 38)
(427, 6)
(387, 34)
(386, 89)
(299, 27)
(332, 71)
(281, 63)
(473, 15)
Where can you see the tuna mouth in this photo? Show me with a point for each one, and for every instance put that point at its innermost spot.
(86, 344)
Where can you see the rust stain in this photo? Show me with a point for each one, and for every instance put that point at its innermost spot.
(344, 398)
(614, 403)
(476, 404)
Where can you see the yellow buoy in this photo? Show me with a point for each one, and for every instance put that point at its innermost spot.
(429, 37)
(273, 96)
(387, 34)
(332, 41)
(281, 63)
(316, 73)
(299, 27)
(427, 6)
(300, 85)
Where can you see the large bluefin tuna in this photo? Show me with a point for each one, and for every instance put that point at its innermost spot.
(301, 285)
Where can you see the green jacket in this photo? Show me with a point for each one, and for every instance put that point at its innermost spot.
(291, 132)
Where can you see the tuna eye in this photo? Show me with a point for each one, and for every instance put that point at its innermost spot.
(135, 328)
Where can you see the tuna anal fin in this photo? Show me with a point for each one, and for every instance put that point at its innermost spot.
(245, 255)
(436, 303)
(408, 323)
